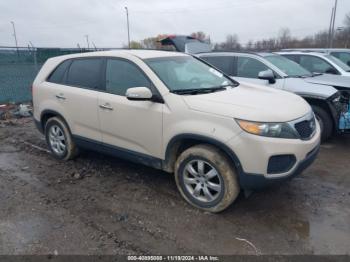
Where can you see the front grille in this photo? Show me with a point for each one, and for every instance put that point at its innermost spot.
(306, 128)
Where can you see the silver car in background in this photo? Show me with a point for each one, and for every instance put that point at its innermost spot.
(329, 95)
(343, 54)
(318, 62)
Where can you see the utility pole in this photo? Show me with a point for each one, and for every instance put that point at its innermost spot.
(87, 41)
(127, 23)
(15, 35)
(333, 22)
(330, 29)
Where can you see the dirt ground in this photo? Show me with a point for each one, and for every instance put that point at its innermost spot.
(102, 205)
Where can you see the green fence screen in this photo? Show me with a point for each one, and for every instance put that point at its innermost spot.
(18, 68)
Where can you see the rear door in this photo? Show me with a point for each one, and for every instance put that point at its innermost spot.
(75, 88)
(131, 125)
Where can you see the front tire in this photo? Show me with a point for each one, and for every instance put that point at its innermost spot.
(59, 139)
(325, 122)
(205, 178)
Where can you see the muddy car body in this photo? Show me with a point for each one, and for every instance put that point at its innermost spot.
(173, 112)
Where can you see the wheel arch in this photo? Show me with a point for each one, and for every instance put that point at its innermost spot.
(181, 142)
(324, 104)
(46, 115)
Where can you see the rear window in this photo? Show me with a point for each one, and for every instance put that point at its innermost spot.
(57, 76)
(85, 73)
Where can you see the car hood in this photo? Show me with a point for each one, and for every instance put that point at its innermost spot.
(339, 82)
(251, 102)
(302, 87)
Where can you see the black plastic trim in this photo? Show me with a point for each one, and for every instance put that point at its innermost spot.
(255, 181)
(118, 152)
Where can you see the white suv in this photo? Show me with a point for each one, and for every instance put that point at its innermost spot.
(318, 62)
(173, 112)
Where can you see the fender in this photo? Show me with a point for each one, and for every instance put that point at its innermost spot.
(175, 143)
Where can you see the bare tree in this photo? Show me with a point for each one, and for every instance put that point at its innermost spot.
(284, 37)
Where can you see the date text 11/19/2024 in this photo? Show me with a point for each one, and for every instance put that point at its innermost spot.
(173, 258)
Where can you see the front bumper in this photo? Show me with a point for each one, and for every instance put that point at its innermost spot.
(254, 152)
(255, 181)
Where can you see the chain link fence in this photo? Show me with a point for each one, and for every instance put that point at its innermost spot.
(19, 66)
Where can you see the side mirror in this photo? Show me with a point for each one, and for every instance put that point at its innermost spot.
(267, 75)
(139, 93)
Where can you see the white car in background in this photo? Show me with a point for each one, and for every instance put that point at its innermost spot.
(317, 62)
(343, 54)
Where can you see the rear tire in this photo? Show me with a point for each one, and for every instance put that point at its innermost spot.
(325, 122)
(206, 179)
(59, 139)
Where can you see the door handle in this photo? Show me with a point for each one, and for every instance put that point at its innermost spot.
(60, 96)
(106, 106)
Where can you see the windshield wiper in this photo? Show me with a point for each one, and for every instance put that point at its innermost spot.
(299, 76)
(194, 91)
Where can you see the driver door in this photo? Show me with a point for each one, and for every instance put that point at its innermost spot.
(135, 126)
(247, 69)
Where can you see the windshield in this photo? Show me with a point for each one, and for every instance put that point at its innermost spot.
(342, 56)
(338, 63)
(287, 66)
(187, 73)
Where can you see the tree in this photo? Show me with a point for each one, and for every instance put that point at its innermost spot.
(135, 45)
(347, 20)
(284, 37)
(201, 36)
(231, 43)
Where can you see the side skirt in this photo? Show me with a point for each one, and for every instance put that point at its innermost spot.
(129, 155)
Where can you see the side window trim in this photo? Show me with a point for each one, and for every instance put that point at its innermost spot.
(234, 65)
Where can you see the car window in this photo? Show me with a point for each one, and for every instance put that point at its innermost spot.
(316, 65)
(249, 67)
(338, 62)
(343, 56)
(58, 74)
(122, 75)
(85, 73)
(186, 72)
(294, 58)
(289, 67)
(224, 63)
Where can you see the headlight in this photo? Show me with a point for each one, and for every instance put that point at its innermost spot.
(280, 130)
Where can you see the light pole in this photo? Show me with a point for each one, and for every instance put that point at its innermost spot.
(87, 41)
(333, 22)
(15, 35)
(127, 23)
